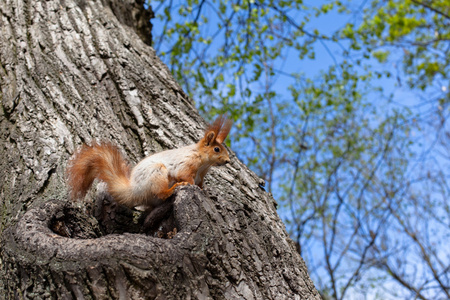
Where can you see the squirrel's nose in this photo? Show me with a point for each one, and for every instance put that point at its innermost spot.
(227, 161)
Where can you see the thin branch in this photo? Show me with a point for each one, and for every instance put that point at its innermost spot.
(403, 282)
(423, 251)
(431, 8)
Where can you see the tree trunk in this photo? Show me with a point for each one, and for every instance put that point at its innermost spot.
(76, 71)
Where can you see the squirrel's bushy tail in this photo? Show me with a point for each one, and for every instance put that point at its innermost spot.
(102, 161)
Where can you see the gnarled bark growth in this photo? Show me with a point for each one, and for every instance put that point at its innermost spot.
(204, 259)
(76, 71)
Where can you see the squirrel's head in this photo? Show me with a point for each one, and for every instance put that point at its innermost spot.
(211, 143)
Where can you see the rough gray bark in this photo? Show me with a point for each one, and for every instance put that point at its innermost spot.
(76, 71)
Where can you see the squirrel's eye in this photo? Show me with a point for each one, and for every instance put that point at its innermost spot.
(216, 149)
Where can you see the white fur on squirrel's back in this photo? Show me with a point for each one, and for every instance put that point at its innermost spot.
(174, 162)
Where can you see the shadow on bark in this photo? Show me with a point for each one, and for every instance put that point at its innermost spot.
(108, 217)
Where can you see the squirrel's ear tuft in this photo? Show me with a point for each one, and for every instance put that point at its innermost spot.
(224, 130)
(221, 127)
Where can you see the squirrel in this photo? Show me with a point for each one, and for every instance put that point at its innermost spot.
(153, 179)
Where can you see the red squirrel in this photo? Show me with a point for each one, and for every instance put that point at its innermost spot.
(153, 179)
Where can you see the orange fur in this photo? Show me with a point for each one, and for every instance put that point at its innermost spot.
(102, 161)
